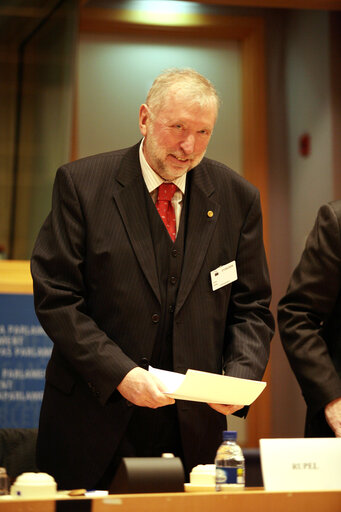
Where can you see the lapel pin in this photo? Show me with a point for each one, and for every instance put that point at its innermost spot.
(210, 213)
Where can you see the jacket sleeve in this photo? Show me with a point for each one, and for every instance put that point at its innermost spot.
(306, 311)
(60, 292)
(250, 324)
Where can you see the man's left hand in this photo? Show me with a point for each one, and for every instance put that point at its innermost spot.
(226, 409)
(332, 412)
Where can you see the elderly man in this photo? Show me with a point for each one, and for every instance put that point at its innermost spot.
(122, 279)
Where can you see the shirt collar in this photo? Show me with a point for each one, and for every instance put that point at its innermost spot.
(152, 179)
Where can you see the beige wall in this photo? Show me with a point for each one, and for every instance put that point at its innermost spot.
(116, 71)
(308, 94)
(299, 101)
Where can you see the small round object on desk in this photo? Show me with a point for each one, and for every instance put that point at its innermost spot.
(77, 492)
(34, 485)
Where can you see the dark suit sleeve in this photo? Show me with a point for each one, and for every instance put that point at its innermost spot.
(250, 324)
(310, 306)
(60, 291)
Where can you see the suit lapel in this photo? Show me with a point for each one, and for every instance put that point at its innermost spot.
(203, 213)
(129, 195)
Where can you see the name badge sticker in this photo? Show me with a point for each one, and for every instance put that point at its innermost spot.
(224, 275)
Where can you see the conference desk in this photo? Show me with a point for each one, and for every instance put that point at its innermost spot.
(249, 500)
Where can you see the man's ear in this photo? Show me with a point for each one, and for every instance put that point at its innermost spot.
(144, 115)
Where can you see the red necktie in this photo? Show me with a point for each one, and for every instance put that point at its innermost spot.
(165, 208)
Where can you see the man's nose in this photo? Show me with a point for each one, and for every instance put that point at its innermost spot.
(187, 145)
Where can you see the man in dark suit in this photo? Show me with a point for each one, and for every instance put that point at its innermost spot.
(309, 318)
(116, 291)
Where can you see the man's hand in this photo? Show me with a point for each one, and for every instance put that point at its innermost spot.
(332, 412)
(226, 409)
(144, 389)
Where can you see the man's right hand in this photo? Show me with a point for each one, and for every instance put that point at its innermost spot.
(144, 389)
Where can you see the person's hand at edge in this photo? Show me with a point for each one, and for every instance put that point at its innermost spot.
(332, 412)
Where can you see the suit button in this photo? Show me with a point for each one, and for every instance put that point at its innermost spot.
(144, 363)
(172, 280)
(174, 253)
(155, 318)
(171, 308)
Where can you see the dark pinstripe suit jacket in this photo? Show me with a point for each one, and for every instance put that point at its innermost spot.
(309, 318)
(96, 295)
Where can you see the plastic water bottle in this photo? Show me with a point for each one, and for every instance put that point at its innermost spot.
(229, 463)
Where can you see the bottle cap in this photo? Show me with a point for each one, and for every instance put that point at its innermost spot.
(229, 435)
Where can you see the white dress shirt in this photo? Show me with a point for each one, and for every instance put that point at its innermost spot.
(153, 181)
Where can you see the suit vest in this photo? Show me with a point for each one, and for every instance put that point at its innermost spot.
(154, 431)
(169, 259)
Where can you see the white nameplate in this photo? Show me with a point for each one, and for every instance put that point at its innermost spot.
(301, 464)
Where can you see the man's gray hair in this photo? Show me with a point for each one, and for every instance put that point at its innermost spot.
(189, 82)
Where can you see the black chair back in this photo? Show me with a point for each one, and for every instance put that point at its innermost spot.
(18, 450)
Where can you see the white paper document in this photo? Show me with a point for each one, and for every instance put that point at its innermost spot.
(209, 387)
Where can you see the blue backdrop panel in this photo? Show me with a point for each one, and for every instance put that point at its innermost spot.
(24, 352)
